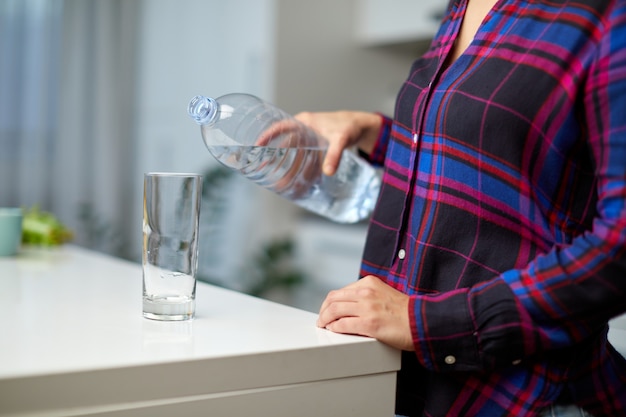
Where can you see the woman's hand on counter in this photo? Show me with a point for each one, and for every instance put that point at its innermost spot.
(369, 307)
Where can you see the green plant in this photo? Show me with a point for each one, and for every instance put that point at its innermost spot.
(273, 268)
(98, 233)
(43, 228)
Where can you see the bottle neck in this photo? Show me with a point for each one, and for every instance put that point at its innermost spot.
(203, 110)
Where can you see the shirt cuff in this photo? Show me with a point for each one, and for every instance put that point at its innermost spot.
(471, 329)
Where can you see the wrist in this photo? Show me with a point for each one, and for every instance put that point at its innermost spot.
(371, 124)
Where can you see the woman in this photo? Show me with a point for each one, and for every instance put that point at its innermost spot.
(497, 251)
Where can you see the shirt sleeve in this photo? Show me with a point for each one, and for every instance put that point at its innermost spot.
(377, 157)
(567, 294)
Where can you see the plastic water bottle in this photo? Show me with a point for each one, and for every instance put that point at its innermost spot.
(276, 151)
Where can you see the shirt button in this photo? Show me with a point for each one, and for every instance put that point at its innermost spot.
(449, 360)
(401, 254)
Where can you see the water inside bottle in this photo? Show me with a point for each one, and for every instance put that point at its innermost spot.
(295, 173)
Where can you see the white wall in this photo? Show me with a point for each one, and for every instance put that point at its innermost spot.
(321, 65)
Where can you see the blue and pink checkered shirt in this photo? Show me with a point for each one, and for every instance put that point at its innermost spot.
(503, 212)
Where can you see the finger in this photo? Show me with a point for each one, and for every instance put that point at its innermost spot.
(352, 301)
(332, 159)
(347, 293)
(338, 304)
(278, 129)
(348, 325)
(354, 291)
(333, 309)
(338, 310)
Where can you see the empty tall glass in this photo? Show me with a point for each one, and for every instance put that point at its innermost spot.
(171, 209)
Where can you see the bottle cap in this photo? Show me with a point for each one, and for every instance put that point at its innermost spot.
(202, 109)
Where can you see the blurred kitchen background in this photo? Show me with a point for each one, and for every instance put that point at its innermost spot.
(93, 94)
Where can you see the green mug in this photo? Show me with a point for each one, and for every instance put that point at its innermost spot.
(10, 230)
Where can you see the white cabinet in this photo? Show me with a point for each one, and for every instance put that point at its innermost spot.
(397, 21)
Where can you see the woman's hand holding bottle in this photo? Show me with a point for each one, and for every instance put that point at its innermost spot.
(343, 129)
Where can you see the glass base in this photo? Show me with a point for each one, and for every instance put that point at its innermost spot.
(169, 308)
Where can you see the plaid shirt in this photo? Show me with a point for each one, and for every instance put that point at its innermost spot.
(503, 212)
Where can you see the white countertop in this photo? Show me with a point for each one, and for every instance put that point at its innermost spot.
(72, 337)
(73, 312)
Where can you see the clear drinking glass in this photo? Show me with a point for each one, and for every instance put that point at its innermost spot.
(171, 212)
